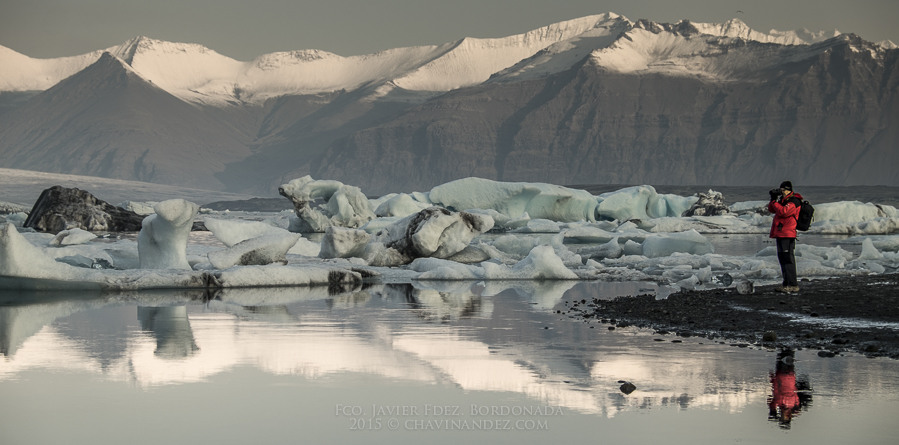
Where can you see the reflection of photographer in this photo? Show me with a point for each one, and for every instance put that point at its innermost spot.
(789, 395)
(785, 206)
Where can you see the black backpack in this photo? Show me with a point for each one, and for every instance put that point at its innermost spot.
(806, 216)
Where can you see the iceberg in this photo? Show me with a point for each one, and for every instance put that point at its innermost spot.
(853, 212)
(162, 241)
(345, 205)
(401, 205)
(541, 263)
(259, 251)
(691, 241)
(231, 232)
(513, 199)
(434, 232)
(340, 242)
(641, 202)
(71, 237)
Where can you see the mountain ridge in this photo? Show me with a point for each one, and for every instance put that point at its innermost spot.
(596, 99)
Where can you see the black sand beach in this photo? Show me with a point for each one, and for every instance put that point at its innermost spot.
(859, 314)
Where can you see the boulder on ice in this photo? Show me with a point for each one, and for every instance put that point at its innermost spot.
(60, 208)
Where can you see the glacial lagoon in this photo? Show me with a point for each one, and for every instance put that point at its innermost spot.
(404, 363)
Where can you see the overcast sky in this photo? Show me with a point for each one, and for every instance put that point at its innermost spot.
(246, 29)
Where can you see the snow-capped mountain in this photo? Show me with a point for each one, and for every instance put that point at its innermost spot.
(412, 117)
(196, 73)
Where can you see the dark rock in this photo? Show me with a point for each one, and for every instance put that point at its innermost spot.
(769, 336)
(60, 208)
(826, 354)
(726, 279)
(870, 346)
(628, 387)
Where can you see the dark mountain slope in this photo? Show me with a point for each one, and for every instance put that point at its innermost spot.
(108, 121)
(829, 118)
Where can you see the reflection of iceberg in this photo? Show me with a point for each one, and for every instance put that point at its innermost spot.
(18, 323)
(279, 295)
(544, 294)
(437, 305)
(496, 348)
(170, 326)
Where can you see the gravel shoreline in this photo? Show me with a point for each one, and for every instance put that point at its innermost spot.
(857, 314)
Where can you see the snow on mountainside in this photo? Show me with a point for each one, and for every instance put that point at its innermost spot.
(720, 52)
(472, 61)
(198, 74)
(19, 72)
(736, 28)
(182, 69)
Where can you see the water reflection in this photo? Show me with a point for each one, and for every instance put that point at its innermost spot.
(171, 328)
(789, 395)
(498, 337)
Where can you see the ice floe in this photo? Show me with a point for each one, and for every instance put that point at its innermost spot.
(471, 229)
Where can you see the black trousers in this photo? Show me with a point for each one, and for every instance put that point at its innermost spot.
(786, 248)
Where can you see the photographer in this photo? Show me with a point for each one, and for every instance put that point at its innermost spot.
(785, 207)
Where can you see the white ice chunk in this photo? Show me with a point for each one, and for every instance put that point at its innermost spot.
(611, 249)
(340, 242)
(345, 206)
(518, 246)
(869, 252)
(401, 205)
(305, 247)
(434, 232)
(72, 237)
(308, 189)
(348, 207)
(540, 201)
(543, 263)
(588, 235)
(17, 219)
(641, 202)
(231, 232)
(19, 258)
(539, 226)
(438, 269)
(634, 248)
(690, 241)
(259, 251)
(162, 241)
(376, 202)
(378, 224)
(853, 211)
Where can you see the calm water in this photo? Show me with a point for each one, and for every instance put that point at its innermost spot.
(438, 363)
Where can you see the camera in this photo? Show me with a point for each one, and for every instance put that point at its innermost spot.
(775, 193)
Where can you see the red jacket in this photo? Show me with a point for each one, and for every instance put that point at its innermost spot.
(786, 214)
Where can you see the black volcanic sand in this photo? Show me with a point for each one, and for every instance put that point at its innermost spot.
(763, 318)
